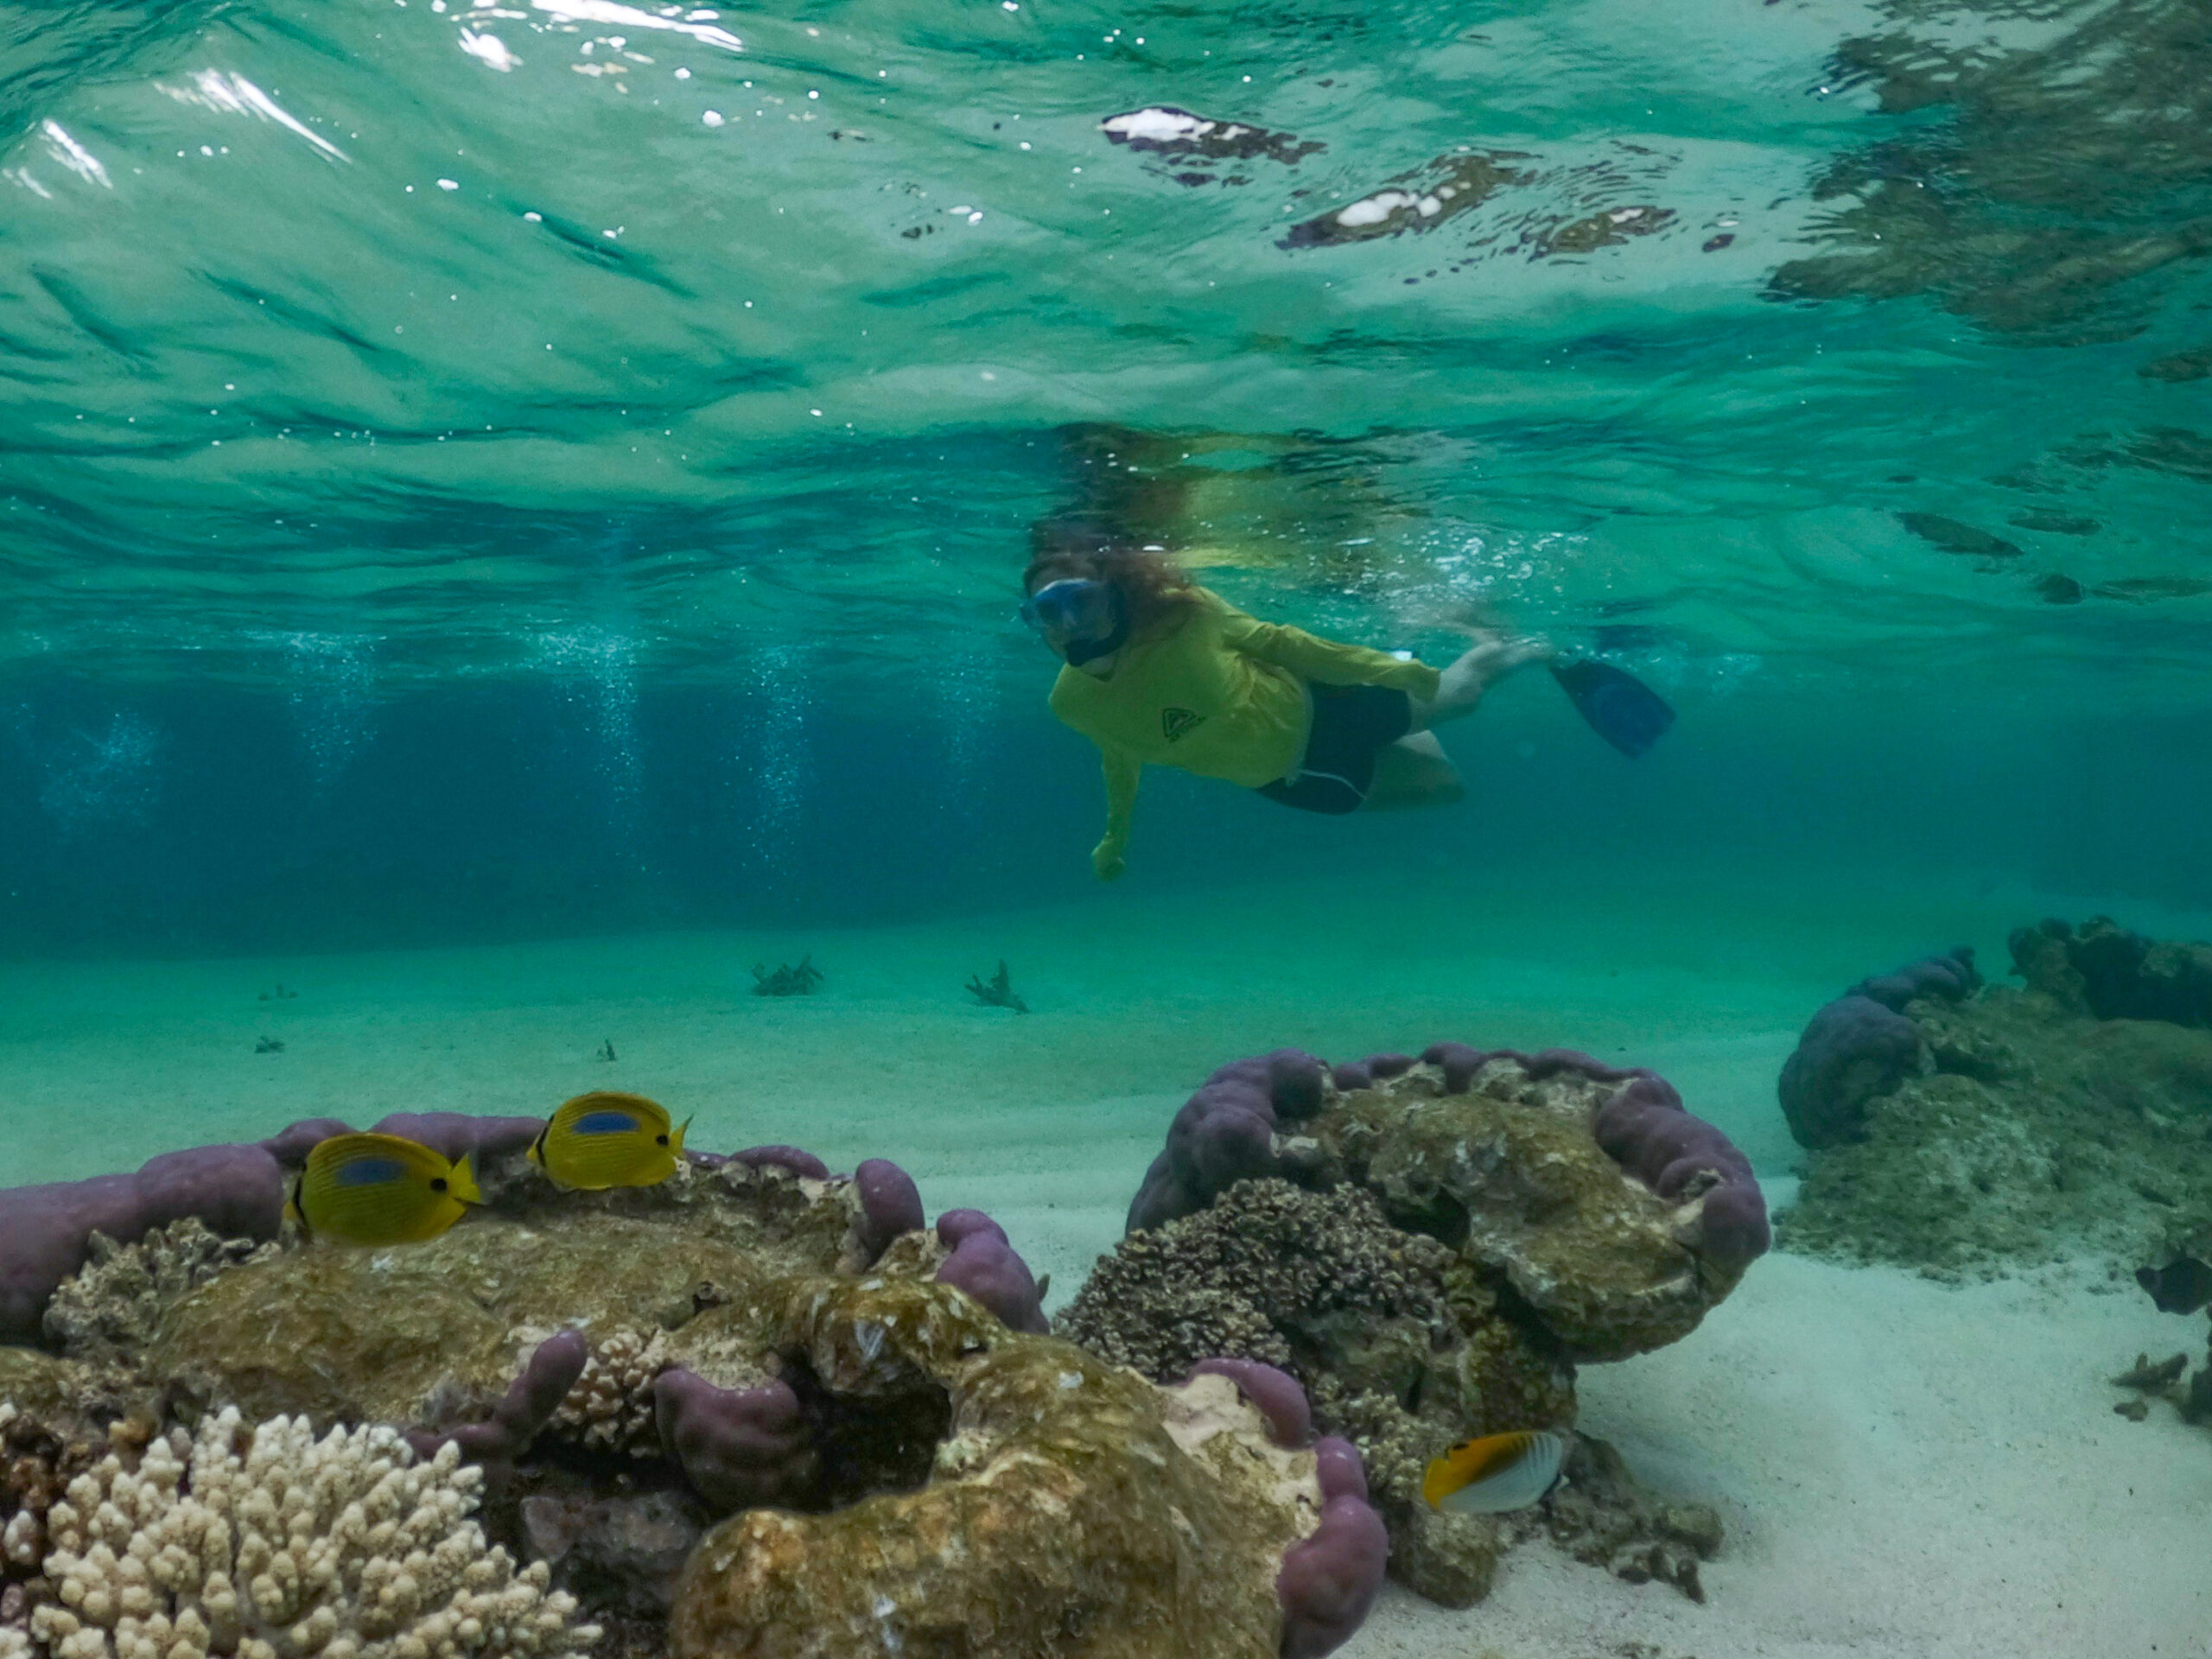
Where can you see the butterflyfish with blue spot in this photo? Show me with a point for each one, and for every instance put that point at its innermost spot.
(604, 1139)
(380, 1188)
(1496, 1473)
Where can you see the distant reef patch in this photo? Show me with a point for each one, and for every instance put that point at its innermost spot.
(1967, 1130)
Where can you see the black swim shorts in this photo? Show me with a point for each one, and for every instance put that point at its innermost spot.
(1351, 725)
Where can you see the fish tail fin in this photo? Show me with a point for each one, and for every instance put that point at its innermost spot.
(464, 1180)
(537, 1152)
(293, 1211)
(676, 1141)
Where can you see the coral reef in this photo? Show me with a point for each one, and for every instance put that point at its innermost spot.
(2019, 1126)
(612, 1371)
(2110, 973)
(270, 1543)
(1171, 1525)
(787, 981)
(1612, 1213)
(1400, 1343)
(1428, 1247)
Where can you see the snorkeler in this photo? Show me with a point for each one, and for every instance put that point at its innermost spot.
(1161, 670)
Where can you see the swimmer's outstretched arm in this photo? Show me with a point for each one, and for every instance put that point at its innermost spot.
(1123, 770)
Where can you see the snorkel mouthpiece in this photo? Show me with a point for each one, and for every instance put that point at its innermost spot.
(1081, 619)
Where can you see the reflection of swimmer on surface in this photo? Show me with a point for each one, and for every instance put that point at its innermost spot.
(1163, 671)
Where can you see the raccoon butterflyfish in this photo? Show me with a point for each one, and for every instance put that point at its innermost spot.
(379, 1189)
(604, 1139)
(1496, 1473)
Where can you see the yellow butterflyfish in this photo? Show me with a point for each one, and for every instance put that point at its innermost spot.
(1496, 1473)
(604, 1139)
(380, 1188)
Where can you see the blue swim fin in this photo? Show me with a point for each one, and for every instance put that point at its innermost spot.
(1621, 709)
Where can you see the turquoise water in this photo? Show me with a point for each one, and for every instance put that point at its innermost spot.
(512, 513)
(479, 470)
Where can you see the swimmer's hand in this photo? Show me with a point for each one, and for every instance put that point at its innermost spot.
(1106, 859)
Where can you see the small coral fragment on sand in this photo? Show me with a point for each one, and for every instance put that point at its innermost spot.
(998, 993)
(787, 981)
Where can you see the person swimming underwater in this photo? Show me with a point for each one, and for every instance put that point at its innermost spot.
(1159, 670)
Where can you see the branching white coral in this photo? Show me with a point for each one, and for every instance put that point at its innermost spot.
(265, 1543)
(612, 1404)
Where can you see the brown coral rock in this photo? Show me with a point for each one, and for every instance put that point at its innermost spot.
(1509, 1176)
(1074, 1509)
(423, 1332)
(2037, 1133)
(1400, 1346)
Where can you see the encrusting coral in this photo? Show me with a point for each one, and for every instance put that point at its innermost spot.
(2016, 1126)
(269, 1543)
(1073, 1483)
(109, 1309)
(614, 1370)
(1429, 1247)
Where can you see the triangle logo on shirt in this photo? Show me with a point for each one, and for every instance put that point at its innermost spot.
(1176, 723)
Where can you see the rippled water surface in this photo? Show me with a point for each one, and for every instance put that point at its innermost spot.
(424, 339)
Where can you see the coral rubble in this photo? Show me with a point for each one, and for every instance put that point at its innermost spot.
(1429, 1247)
(787, 981)
(1970, 1129)
(998, 992)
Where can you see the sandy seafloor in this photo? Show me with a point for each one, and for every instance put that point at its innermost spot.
(1906, 1469)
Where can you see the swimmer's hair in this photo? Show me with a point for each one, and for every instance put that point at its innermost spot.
(1152, 585)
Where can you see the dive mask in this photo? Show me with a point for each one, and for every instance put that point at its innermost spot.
(1079, 618)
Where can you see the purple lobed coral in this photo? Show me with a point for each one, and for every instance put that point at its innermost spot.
(890, 1205)
(983, 1263)
(1226, 1133)
(1275, 1395)
(794, 1159)
(458, 1135)
(530, 1401)
(1861, 1047)
(1330, 1579)
(738, 1448)
(45, 1230)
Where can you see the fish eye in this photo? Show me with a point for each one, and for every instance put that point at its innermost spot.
(438, 1184)
(660, 1140)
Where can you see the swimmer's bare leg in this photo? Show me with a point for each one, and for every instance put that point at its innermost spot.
(1490, 659)
(1414, 772)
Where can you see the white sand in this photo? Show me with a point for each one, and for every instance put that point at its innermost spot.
(1907, 1471)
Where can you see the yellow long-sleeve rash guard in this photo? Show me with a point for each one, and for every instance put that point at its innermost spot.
(1217, 693)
